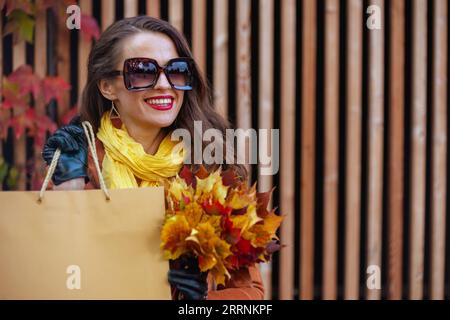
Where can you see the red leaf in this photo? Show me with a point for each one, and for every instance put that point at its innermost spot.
(16, 123)
(38, 126)
(215, 208)
(53, 88)
(89, 27)
(243, 246)
(27, 81)
(263, 199)
(228, 177)
(187, 175)
(202, 173)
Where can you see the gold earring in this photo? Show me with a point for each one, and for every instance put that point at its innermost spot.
(117, 116)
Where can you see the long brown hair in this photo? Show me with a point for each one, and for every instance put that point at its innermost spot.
(104, 56)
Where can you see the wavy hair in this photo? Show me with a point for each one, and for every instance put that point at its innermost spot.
(197, 105)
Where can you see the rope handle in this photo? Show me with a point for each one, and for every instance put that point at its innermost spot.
(89, 132)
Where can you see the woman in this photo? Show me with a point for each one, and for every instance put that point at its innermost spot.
(142, 84)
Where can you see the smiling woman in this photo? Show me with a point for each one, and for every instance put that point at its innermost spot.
(143, 84)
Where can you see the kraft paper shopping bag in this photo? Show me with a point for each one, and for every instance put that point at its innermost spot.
(78, 245)
(87, 244)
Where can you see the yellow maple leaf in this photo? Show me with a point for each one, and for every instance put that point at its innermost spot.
(220, 273)
(173, 237)
(272, 222)
(193, 213)
(206, 185)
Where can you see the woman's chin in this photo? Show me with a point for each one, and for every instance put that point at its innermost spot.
(160, 120)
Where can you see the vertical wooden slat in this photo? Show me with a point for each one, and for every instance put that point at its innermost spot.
(353, 162)
(439, 138)
(243, 59)
(130, 8)
(84, 48)
(221, 56)
(396, 149)
(331, 175)
(199, 32)
(63, 64)
(108, 13)
(287, 158)
(40, 69)
(376, 133)
(266, 37)
(307, 186)
(419, 114)
(20, 156)
(1, 87)
(153, 8)
(176, 14)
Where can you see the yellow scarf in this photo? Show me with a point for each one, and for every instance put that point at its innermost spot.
(125, 159)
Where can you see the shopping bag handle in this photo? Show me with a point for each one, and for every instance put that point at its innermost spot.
(89, 132)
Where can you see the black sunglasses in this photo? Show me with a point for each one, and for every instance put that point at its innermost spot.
(143, 73)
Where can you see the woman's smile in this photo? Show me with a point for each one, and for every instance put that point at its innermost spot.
(161, 103)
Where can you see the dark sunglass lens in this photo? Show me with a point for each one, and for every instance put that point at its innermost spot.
(179, 73)
(142, 74)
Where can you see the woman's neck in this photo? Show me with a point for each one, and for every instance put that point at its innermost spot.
(149, 138)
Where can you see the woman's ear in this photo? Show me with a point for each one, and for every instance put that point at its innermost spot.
(107, 89)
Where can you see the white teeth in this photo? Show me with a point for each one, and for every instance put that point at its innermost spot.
(159, 101)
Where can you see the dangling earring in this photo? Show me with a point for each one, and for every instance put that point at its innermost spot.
(117, 116)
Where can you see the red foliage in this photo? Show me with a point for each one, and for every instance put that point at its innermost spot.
(17, 90)
(89, 27)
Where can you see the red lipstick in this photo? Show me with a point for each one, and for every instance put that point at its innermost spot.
(160, 103)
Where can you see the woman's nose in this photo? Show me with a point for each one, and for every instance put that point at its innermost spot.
(163, 82)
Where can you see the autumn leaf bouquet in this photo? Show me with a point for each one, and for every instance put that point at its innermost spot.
(217, 218)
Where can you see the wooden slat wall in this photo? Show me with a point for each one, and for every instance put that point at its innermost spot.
(265, 114)
(243, 73)
(108, 13)
(221, 45)
(287, 150)
(331, 170)
(176, 13)
(439, 141)
(375, 136)
(40, 68)
(153, 8)
(199, 32)
(63, 63)
(20, 155)
(353, 163)
(130, 8)
(418, 140)
(396, 149)
(364, 66)
(1, 85)
(84, 47)
(307, 183)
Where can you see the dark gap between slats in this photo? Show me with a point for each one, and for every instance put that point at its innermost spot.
(386, 144)
(429, 156)
(407, 181)
(364, 158)
(319, 176)
(276, 124)
(254, 76)
(342, 148)
(298, 144)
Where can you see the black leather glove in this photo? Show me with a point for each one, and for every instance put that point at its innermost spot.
(186, 277)
(72, 163)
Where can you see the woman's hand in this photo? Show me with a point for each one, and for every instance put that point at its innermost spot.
(72, 163)
(186, 277)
